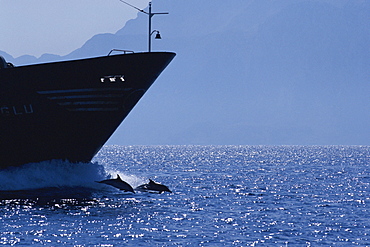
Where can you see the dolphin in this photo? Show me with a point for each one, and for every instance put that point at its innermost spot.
(118, 183)
(153, 186)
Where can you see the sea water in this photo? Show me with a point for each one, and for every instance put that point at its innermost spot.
(222, 196)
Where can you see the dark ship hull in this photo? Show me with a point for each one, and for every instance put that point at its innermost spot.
(68, 110)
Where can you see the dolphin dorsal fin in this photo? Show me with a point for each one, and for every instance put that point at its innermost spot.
(118, 177)
(151, 181)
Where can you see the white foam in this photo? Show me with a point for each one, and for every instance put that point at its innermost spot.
(53, 173)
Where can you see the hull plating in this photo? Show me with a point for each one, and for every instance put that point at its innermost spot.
(68, 110)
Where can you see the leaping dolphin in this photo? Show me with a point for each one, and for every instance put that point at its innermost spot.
(118, 183)
(153, 186)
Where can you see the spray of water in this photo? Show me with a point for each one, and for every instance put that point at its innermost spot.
(57, 173)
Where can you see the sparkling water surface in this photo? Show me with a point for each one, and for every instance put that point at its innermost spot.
(223, 196)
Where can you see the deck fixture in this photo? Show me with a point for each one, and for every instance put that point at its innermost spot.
(150, 14)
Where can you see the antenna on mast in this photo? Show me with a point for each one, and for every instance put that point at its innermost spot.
(141, 10)
(150, 14)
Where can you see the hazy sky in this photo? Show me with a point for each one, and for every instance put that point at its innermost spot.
(60, 26)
